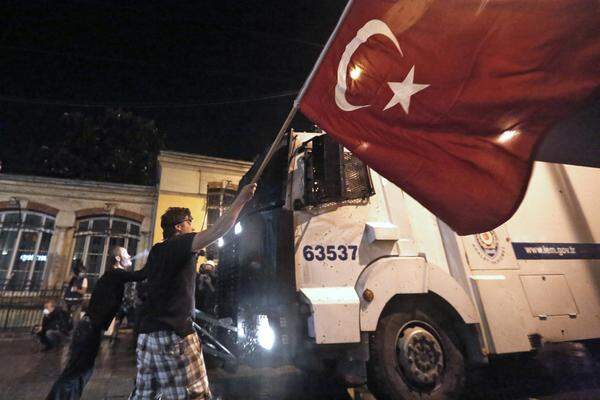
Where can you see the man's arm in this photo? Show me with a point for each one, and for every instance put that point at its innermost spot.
(136, 276)
(227, 220)
(140, 274)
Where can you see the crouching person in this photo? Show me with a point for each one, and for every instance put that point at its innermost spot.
(55, 327)
(104, 304)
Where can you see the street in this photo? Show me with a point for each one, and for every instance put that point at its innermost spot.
(559, 372)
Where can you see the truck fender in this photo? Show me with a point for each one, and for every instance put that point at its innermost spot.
(391, 276)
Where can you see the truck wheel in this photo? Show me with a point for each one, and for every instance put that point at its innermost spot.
(415, 355)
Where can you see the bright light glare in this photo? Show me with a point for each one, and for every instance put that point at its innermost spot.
(220, 242)
(241, 331)
(355, 73)
(237, 229)
(508, 135)
(4, 252)
(264, 333)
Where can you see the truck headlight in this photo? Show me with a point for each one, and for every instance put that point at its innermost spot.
(264, 333)
(237, 229)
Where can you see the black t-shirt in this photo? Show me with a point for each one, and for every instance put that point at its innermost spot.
(108, 294)
(169, 303)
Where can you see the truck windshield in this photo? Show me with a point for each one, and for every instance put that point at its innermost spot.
(270, 192)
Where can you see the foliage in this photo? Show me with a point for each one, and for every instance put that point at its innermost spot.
(115, 146)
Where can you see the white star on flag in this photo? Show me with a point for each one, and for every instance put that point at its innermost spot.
(404, 90)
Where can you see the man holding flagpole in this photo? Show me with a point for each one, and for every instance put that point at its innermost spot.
(170, 362)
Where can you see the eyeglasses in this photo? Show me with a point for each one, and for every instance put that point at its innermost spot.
(186, 219)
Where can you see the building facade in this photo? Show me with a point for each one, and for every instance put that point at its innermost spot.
(46, 223)
(205, 185)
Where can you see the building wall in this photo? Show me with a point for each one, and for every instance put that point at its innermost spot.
(195, 203)
(69, 200)
(183, 181)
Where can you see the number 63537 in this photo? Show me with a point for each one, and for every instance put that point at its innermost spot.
(332, 252)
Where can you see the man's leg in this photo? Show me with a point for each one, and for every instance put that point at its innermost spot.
(84, 348)
(145, 380)
(181, 372)
(197, 377)
(79, 368)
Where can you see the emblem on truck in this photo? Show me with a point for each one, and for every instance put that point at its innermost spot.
(488, 246)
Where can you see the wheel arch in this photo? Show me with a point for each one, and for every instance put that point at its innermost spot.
(402, 280)
(394, 277)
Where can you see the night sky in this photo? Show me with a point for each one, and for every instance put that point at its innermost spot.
(217, 77)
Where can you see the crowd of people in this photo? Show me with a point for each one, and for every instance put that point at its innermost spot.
(169, 358)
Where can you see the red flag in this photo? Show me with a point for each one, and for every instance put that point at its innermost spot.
(449, 99)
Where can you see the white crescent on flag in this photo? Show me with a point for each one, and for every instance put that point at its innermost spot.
(373, 27)
(402, 90)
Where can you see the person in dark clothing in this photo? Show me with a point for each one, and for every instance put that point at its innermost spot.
(206, 281)
(169, 356)
(104, 304)
(55, 326)
(76, 289)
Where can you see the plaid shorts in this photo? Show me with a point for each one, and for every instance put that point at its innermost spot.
(171, 366)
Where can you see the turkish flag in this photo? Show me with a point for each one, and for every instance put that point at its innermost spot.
(449, 99)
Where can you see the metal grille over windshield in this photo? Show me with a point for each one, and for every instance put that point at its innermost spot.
(333, 173)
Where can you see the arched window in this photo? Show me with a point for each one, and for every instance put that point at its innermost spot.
(24, 242)
(96, 235)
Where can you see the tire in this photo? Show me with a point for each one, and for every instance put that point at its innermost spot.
(415, 355)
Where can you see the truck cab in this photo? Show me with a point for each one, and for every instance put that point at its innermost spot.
(332, 267)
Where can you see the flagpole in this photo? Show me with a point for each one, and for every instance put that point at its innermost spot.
(296, 105)
(322, 55)
(274, 145)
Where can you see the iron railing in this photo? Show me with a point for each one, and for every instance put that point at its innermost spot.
(22, 309)
(21, 285)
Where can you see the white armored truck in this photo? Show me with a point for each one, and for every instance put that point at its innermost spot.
(332, 266)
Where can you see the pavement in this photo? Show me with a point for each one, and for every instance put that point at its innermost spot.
(26, 373)
(558, 372)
